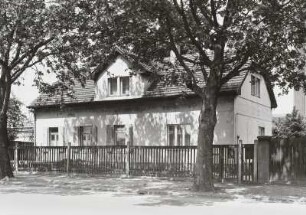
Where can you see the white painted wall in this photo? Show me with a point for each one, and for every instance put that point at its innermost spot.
(149, 121)
(120, 68)
(252, 112)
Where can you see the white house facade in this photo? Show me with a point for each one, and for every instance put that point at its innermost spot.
(122, 105)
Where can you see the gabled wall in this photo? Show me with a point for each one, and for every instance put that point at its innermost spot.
(252, 112)
(120, 68)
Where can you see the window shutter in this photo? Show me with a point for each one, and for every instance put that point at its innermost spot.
(45, 137)
(110, 133)
(76, 133)
(61, 136)
(94, 133)
(131, 135)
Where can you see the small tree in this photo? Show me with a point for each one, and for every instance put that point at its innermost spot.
(15, 118)
(293, 125)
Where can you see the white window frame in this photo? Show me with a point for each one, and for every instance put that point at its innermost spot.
(119, 80)
(176, 128)
(255, 86)
(51, 133)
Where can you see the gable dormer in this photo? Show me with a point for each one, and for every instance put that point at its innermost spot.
(118, 80)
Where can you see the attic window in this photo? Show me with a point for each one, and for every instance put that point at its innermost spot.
(119, 86)
(255, 86)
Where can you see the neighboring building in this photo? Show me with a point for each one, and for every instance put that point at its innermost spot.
(122, 104)
(24, 135)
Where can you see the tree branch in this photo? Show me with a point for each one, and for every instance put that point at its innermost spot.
(31, 52)
(236, 70)
(214, 13)
(27, 65)
(196, 88)
(190, 34)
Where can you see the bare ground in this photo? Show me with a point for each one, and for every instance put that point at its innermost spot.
(148, 192)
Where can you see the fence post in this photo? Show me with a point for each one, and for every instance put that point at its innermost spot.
(127, 160)
(16, 157)
(239, 161)
(221, 163)
(68, 157)
(255, 160)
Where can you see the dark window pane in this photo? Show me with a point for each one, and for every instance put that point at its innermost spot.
(179, 135)
(120, 135)
(187, 135)
(171, 135)
(112, 84)
(125, 85)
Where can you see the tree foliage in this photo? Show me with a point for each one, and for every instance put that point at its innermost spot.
(293, 125)
(34, 35)
(15, 118)
(216, 39)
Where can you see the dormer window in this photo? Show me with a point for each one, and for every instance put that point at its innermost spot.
(119, 86)
(255, 86)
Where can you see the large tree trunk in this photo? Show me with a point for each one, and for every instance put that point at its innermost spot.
(5, 91)
(207, 121)
(5, 167)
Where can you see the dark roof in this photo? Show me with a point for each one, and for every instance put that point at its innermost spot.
(81, 94)
(158, 88)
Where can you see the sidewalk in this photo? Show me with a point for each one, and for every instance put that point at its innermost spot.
(62, 194)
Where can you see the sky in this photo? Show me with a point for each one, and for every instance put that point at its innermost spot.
(27, 92)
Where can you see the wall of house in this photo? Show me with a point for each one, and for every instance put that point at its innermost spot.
(252, 112)
(149, 120)
(120, 68)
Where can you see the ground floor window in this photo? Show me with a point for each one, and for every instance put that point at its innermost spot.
(261, 131)
(53, 136)
(178, 135)
(86, 135)
(119, 135)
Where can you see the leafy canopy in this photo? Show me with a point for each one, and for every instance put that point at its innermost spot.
(225, 37)
(293, 125)
(16, 118)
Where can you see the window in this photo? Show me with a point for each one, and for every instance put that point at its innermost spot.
(119, 86)
(179, 135)
(112, 84)
(86, 135)
(53, 136)
(255, 86)
(124, 85)
(119, 135)
(261, 131)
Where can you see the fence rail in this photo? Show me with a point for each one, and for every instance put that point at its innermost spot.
(136, 160)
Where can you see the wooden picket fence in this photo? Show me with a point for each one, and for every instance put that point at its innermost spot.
(136, 160)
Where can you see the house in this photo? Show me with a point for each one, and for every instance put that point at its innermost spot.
(121, 104)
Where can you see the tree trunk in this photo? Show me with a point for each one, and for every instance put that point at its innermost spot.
(5, 167)
(207, 121)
